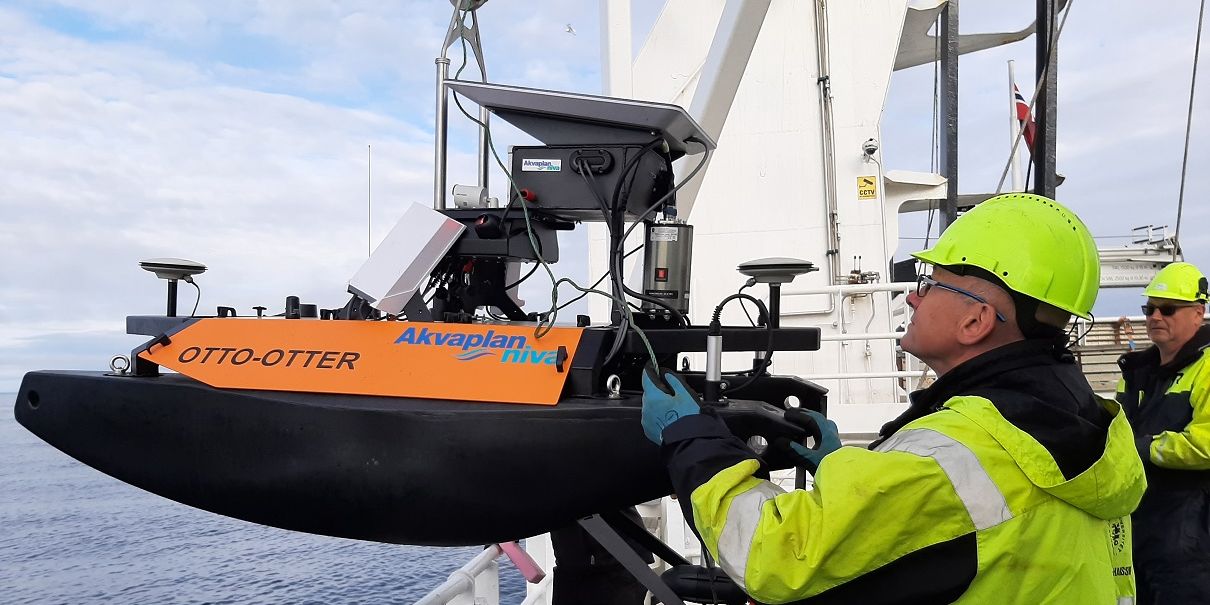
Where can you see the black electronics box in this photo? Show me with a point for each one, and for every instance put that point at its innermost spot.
(561, 179)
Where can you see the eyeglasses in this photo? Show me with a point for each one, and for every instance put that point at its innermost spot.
(1165, 310)
(924, 283)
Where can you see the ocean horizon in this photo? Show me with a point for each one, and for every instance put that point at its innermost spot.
(75, 535)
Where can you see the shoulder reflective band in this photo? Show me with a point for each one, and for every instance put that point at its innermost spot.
(978, 492)
(743, 517)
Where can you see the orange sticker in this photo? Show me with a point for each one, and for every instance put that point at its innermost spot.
(465, 362)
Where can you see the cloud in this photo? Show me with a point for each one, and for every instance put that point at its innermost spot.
(236, 134)
(129, 136)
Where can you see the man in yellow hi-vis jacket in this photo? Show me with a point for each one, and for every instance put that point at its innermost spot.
(1165, 391)
(1006, 481)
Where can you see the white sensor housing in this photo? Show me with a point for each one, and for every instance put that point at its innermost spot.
(401, 264)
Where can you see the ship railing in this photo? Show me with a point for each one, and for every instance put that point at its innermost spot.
(1101, 342)
(478, 581)
(910, 369)
(1083, 327)
(838, 294)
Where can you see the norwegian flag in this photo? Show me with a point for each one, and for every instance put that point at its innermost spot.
(1024, 118)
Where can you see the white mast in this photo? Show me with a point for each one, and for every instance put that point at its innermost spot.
(616, 56)
(1014, 126)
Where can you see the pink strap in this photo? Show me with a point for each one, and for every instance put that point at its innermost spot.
(525, 563)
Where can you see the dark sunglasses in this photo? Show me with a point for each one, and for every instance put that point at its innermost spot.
(1165, 310)
(924, 283)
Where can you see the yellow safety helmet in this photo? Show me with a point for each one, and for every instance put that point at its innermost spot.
(1032, 244)
(1178, 281)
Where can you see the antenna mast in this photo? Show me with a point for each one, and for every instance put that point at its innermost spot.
(368, 237)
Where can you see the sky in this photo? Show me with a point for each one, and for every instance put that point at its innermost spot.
(236, 133)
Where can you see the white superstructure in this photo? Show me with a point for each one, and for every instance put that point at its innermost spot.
(793, 92)
(795, 106)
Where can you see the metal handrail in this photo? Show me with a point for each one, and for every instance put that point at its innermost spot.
(844, 290)
(861, 336)
(462, 581)
(866, 375)
(538, 592)
(902, 286)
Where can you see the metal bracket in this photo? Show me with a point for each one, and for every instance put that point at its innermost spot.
(459, 31)
(608, 537)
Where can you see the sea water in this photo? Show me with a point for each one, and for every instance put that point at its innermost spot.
(71, 534)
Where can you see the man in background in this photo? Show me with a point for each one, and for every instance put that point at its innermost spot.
(1165, 391)
(1123, 327)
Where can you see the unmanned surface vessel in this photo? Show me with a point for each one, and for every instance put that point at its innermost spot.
(352, 422)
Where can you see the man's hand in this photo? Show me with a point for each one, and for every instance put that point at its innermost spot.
(828, 441)
(665, 400)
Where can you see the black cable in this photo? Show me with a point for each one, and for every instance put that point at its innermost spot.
(751, 282)
(665, 197)
(600, 279)
(537, 264)
(621, 241)
(1073, 334)
(632, 164)
(522, 278)
(193, 313)
(615, 264)
(764, 312)
(619, 297)
(549, 317)
(661, 201)
(619, 287)
(617, 192)
(614, 221)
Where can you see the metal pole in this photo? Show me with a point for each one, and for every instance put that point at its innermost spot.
(1045, 109)
(439, 134)
(828, 140)
(172, 298)
(369, 214)
(484, 145)
(484, 114)
(774, 305)
(1013, 127)
(949, 111)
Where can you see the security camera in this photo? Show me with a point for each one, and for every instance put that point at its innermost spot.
(870, 147)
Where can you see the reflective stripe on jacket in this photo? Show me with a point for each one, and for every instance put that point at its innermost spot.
(1169, 407)
(957, 505)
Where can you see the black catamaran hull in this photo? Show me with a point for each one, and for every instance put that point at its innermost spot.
(396, 470)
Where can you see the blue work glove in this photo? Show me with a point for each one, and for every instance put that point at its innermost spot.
(827, 442)
(665, 400)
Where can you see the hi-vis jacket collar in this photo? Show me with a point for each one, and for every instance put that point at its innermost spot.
(1151, 355)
